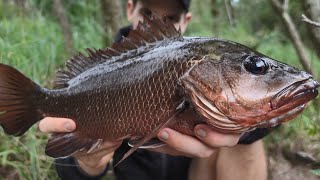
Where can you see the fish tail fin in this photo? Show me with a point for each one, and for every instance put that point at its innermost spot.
(18, 109)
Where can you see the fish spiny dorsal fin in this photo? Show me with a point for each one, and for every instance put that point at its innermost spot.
(76, 65)
(151, 30)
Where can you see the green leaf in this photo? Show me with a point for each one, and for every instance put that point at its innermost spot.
(316, 172)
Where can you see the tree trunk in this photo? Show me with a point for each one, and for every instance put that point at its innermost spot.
(20, 3)
(112, 18)
(65, 26)
(214, 8)
(282, 10)
(312, 10)
(214, 14)
(230, 12)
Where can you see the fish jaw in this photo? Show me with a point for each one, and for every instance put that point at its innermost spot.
(295, 94)
(290, 102)
(282, 118)
(284, 106)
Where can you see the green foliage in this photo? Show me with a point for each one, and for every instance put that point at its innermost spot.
(33, 43)
(316, 172)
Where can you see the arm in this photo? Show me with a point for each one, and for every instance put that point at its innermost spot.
(216, 155)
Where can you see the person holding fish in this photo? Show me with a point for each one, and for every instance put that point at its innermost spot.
(209, 154)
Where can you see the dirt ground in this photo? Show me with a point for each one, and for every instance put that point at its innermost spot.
(282, 169)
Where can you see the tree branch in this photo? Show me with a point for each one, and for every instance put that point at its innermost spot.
(277, 4)
(286, 5)
(309, 21)
(230, 12)
(65, 25)
(293, 34)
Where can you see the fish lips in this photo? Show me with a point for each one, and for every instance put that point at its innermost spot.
(290, 102)
(295, 95)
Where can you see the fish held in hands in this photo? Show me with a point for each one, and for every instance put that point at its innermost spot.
(156, 78)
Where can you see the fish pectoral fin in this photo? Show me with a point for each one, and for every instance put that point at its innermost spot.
(180, 108)
(61, 145)
(153, 143)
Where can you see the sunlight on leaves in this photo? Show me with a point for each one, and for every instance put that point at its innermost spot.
(316, 172)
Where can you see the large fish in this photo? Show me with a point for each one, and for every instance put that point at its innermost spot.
(156, 78)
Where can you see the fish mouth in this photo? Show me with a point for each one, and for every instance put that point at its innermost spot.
(297, 94)
(282, 118)
(290, 102)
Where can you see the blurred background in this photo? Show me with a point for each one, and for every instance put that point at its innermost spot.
(38, 36)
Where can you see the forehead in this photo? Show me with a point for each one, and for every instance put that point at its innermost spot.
(163, 7)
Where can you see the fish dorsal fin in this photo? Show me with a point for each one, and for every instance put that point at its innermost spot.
(152, 29)
(78, 64)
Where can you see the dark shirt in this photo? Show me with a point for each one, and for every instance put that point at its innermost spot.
(144, 164)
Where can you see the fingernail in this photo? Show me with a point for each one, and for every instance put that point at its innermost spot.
(164, 136)
(68, 126)
(201, 133)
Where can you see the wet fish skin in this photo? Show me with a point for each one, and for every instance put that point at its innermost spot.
(170, 81)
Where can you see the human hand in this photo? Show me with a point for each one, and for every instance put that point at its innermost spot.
(204, 146)
(93, 163)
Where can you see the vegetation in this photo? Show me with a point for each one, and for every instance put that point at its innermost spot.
(31, 40)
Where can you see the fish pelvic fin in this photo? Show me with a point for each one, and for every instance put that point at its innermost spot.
(18, 101)
(153, 143)
(153, 133)
(61, 145)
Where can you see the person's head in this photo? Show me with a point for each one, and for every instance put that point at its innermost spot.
(175, 10)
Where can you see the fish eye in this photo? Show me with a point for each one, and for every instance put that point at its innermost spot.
(255, 65)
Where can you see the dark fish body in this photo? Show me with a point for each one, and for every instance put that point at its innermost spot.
(124, 96)
(155, 79)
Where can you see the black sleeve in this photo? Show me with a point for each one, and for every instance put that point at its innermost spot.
(68, 168)
(255, 135)
(145, 165)
(123, 32)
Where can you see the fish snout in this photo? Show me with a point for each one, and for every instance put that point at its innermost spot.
(316, 84)
(306, 75)
(309, 78)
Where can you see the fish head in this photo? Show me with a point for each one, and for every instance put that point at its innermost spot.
(238, 90)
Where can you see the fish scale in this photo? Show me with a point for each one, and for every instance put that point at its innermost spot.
(156, 78)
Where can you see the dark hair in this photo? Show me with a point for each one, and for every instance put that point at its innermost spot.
(185, 4)
(134, 2)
